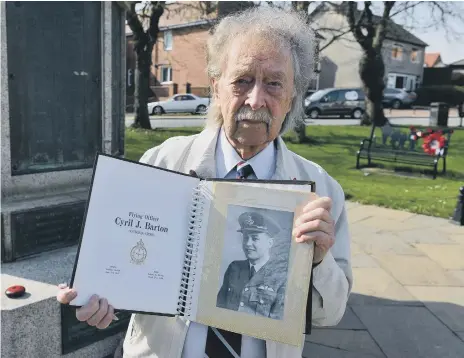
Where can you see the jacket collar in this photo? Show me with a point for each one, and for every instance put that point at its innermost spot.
(202, 157)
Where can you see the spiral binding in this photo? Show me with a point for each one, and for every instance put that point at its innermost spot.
(191, 254)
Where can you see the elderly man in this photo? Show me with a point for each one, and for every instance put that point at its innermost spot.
(260, 63)
(256, 285)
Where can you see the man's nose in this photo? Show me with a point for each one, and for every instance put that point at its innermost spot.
(249, 242)
(256, 97)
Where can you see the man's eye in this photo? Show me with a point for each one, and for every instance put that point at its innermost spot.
(275, 84)
(242, 81)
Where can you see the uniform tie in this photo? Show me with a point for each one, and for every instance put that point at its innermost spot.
(244, 170)
(252, 271)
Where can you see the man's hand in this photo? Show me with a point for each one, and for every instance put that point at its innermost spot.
(97, 312)
(316, 225)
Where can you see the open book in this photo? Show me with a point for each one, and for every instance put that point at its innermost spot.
(218, 252)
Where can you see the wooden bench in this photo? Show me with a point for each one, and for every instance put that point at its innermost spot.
(404, 146)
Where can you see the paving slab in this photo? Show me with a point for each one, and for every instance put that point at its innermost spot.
(416, 270)
(387, 213)
(374, 286)
(363, 260)
(409, 332)
(428, 236)
(349, 340)
(385, 243)
(348, 321)
(388, 225)
(450, 257)
(447, 303)
(457, 273)
(453, 229)
(460, 335)
(425, 221)
(312, 350)
(458, 238)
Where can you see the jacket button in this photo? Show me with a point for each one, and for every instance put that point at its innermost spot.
(246, 289)
(241, 304)
(261, 301)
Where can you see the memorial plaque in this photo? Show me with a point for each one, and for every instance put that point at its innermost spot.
(54, 80)
(76, 334)
(38, 230)
(118, 110)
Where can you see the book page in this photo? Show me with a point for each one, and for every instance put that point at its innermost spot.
(253, 277)
(133, 244)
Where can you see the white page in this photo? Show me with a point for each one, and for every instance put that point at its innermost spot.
(123, 191)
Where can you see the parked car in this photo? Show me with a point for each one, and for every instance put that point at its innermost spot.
(180, 103)
(398, 98)
(336, 101)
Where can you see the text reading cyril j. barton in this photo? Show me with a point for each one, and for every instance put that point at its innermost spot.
(142, 224)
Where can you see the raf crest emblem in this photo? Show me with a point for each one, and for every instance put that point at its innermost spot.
(138, 253)
(249, 220)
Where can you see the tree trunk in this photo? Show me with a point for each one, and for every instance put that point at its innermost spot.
(300, 130)
(372, 71)
(142, 88)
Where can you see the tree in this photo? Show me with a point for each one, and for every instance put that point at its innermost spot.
(143, 18)
(370, 31)
(144, 40)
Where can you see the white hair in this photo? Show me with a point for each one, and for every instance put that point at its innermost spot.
(284, 27)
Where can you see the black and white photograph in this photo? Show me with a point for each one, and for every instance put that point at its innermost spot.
(254, 266)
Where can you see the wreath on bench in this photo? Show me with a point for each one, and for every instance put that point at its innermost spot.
(434, 141)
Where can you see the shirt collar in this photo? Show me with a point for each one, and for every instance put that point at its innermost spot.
(263, 163)
(257, 267)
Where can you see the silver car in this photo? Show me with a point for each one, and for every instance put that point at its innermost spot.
(398, 98)
(180, 103)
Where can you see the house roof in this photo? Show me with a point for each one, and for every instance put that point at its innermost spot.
(458, 63)
(431, 59)
(394, 31)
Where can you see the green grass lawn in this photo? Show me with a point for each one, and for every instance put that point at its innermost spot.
(334, 148)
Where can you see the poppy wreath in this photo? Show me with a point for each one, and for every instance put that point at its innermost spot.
(434, 142)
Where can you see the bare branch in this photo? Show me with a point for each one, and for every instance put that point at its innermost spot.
(355, 26)
(382, 26)
(333, 39)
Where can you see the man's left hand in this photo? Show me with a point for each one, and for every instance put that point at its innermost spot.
(316, 225)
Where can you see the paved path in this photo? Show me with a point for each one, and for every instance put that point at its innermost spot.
(197, 121)
(408, 293)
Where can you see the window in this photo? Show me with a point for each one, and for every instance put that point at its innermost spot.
(168, 40)
(415, 55)
(166, 74)
(331, 96)
(397, 52)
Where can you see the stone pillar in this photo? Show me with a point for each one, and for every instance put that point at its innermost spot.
(63, 91)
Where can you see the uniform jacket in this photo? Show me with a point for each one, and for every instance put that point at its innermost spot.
(163, 337)
(262, 295)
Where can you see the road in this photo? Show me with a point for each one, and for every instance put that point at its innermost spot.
(197, 121)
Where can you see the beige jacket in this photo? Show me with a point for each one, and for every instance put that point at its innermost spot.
(163, 337)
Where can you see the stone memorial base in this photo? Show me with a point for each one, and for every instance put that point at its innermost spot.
(37, 325)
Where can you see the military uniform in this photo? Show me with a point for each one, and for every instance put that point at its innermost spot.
(262, 294)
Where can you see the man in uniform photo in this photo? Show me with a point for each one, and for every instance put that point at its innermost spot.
(256, 285)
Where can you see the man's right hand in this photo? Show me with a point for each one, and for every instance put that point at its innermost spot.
(97, 312)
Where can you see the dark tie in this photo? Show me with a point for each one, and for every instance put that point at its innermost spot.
(220, 343)
(244, 170)
(252, 271)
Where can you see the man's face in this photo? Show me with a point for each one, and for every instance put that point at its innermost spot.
(255, 91)
(256, 245)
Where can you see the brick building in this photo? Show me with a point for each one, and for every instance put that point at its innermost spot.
(179, 56)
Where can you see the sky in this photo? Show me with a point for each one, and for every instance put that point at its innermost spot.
(425, 22)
